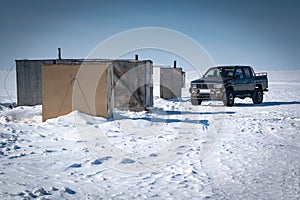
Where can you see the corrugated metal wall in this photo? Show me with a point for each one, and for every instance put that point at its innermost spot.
(133, 84)
(29, 82)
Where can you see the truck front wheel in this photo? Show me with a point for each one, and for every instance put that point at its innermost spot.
(257, 96)
(196, 102)
(228, 98)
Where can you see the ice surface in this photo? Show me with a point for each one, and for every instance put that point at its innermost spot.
(175, 151)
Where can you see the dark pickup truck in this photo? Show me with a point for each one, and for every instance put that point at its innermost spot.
(224, 83)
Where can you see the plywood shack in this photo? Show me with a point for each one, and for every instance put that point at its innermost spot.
(133, 88)
(29, 78)
(132, 81)
(168, 82)
(86, 87)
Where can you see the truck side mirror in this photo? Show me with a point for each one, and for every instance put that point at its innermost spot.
(237, 76)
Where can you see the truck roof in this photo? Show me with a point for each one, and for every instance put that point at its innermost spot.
(230, 66)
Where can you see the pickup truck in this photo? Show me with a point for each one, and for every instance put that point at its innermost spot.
(224, 83)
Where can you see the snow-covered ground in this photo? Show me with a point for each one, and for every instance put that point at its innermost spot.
(176, 151)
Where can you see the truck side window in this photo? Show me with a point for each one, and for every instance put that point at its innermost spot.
(247, 72)
(239, 73)
(228, 72)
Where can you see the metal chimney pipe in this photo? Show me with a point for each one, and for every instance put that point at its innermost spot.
(59, 54)
(136, 57)
(174, 63)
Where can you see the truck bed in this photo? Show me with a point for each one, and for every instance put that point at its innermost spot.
(262, 77)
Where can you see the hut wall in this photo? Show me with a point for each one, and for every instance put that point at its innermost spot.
(65, 88)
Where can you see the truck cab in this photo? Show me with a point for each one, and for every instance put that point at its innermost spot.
(225, 83)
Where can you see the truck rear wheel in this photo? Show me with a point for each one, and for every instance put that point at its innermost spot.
(228, 99)
(257, 96)
(196, 102)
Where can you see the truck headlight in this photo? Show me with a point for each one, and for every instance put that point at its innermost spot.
(194, 86)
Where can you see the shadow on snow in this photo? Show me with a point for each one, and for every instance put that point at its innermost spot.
(196, 113)
(265, 104)
(169, 113)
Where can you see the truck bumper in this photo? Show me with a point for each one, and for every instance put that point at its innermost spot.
(210, 94)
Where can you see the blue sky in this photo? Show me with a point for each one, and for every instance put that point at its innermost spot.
(264, 34)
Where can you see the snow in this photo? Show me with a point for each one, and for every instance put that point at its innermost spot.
(173, 151)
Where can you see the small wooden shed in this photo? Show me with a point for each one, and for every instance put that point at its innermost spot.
(131, 80)
(168, 81)
(133, 85)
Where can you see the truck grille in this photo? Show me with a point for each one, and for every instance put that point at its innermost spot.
(205, 86)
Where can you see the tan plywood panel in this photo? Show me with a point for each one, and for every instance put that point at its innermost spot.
(76, 87)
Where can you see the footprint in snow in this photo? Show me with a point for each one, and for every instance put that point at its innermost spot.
(100, 160)
(153, 155)
(67, 190)
(48, 151)
(127, 161)
(17, 156)
(75, 165)
(15, 147)
(27, 195)
(97, 162)
(40, 192)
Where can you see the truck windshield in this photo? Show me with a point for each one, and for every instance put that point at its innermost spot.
(213, 72)
(219, 72)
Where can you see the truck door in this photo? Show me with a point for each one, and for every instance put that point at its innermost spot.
(249, 79)
(239, 81)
